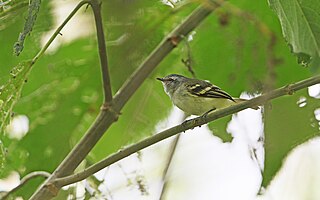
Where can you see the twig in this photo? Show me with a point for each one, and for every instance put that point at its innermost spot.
(169, 161)
(57, 32)
(107, 116)
(172, 150)
(190, 124)
(24, 181)
(96, 7)
(188, 62)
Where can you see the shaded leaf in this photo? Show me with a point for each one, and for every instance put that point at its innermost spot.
(300, 22)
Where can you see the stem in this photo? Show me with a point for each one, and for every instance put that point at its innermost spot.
(190, 124)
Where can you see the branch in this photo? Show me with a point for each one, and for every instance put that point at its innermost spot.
(189, 124)
(96, 7)
(109, 114)
(24, 181)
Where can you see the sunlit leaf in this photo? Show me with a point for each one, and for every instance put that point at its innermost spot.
(11, 91)
(10, 12)
(9, 96)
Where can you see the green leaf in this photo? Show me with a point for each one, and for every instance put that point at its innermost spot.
(11, 91)
(288, 124)
(300, 22)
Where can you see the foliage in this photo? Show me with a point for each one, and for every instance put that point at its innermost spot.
(239, 47)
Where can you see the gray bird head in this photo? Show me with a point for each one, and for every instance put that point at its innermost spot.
(172, 82)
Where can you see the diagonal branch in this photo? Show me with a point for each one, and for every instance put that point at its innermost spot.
(24, 181)
(109, 113)
(190, 124)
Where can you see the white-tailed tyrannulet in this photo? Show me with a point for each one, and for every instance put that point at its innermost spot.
(196, 97)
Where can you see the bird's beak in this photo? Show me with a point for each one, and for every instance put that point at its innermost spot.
(161, 79)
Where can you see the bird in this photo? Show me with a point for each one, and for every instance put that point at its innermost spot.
(196, 97)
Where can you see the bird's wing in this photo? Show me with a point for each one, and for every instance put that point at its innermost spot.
(206, 89)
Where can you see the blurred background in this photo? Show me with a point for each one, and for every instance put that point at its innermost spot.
(239, 47)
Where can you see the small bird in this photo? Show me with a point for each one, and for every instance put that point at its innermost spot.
(196, 97)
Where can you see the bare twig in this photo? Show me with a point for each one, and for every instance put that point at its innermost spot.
(190, 124)
(96, 7)
(24, 181)
(188, 62)
(57, 32)
(172, 151)
(109, 113)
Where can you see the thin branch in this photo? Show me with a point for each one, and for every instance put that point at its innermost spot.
(25, 180)
(188, 62)
(109, 114)
(96, 7)
(172, 151)
(57, 32)
(190, 124)
(168, 164)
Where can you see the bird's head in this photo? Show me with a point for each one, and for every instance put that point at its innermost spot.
(172, 82)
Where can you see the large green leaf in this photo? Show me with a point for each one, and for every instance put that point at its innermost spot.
(300, 22)
(285, 72)
(283, 133)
